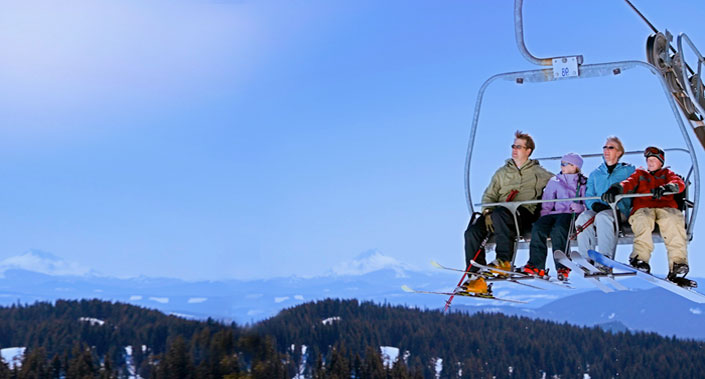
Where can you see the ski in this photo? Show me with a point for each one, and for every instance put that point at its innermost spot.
(663, 283)
(487, 296)
(560, 257)
(520, 275)
(596, 272)
(489, 276)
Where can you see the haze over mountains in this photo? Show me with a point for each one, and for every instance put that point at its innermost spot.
(40, 276)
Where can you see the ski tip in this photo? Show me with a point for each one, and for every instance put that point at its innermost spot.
(436, 264)
(406, 288)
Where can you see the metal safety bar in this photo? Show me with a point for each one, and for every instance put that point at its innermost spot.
(512, 206)
(631, 152)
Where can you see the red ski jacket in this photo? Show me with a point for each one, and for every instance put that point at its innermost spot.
(642, 181)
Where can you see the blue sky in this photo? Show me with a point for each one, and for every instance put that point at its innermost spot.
(239, 139)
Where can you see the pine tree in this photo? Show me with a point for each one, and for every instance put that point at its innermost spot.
(35, 365)
(81, 366)
(372, 366)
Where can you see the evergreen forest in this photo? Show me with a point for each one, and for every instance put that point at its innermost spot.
(327, 339)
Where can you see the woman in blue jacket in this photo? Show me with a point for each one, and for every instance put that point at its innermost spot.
(601, 231)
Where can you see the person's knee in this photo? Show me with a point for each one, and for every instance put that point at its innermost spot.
(474, 230)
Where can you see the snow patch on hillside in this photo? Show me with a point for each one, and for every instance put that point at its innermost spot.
(161, 300)
(330, 320)
(92, 321)
(13, 356)
(389, 354)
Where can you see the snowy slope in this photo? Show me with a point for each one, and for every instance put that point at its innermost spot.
(371, 276)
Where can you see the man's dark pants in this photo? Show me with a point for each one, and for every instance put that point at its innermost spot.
(505, 234)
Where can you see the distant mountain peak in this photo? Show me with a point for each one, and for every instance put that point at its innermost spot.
(370, 261)
(43, 262)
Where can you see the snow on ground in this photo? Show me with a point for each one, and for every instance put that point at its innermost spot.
(302, 366)
(12, 356)
(131, 369)
(197, 300)
(439, 366)
(299, 297)
(135, 297)
(162, 300)
(92, 321)
(330, 320)
(389, 354)
(280, 299)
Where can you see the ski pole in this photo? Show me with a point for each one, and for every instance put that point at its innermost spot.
(467, 270)
(510, 197)
(580, 228)
(570, 231)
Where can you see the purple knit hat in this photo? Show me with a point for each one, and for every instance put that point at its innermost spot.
(574, 159)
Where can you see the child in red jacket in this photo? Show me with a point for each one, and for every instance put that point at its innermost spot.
(658, 208)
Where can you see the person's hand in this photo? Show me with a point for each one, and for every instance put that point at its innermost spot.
(658, 192)
(598, 207)
(576, 207)
(488, 220)
(611, 193)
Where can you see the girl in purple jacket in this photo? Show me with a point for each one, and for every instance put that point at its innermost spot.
(556, 217)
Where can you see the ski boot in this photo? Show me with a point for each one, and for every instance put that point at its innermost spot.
(563, 273)
(502, 265)
(533, 270)
(478, 285)
(640, 265)
(677, 276)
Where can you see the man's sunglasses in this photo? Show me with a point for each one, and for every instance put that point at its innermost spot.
(608, 147)
(518, 147)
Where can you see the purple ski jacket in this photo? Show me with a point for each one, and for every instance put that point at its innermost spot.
(563, 186)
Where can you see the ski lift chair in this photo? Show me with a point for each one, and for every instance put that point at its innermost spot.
(572, 68)
(625, 233)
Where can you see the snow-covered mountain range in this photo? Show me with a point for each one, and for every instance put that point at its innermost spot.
(39, 276)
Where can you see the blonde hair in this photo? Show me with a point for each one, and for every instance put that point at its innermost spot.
(618, 142)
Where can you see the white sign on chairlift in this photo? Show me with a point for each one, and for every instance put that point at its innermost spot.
(565, 67)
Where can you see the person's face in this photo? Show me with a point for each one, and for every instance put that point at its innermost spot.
(611, 152)
(568, 168)
(653, 163)
(519, 150)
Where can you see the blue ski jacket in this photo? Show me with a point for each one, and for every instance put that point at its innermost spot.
(599, 181)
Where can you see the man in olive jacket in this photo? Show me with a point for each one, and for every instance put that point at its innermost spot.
(519, 179)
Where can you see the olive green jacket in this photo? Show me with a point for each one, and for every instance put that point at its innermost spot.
(530, 180)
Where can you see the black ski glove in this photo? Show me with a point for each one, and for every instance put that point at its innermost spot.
(611, 193)
(659, 191)
(599, 207)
